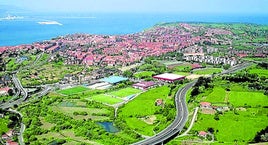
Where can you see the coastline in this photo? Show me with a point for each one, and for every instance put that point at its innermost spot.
(105, 24)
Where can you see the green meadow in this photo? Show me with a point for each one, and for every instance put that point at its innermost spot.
(144, 74)
(143, 106)
(207, 71)
(231, 127)
(125, 92)
(3, 125)
(103, 98)
(73, 90)
(259, 72)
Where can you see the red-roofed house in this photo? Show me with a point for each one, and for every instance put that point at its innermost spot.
(259, 55)
(10, 132)
(202, 134)
(5, 137)
(159, 102)
(196, 66)
(4, 91)
(10, 142)
(144, 85)
(205, 104)
(242, 55)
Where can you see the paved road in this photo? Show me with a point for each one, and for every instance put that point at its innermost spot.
(9, 104)
(22, 127)
(177, 125)
(236, 68)
(19, 87)
(192, 123)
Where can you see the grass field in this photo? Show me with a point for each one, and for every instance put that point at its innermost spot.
(46, 125)
(105, 99)
(125, 92)
(147, 99)
(132, 111)
(73, 90)
(6, 98)
(3, 125)
(248, 98)
(217, 95)
(207, 71)
(182, 73)
(70, 110)
(231, 127)
(183, 68)
(259, 72)
(144, 74)
(140, 126)
(68, 135)
(256, 59)
(47, 73)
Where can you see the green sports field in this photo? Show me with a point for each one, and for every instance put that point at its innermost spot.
(125, 92)
(103, 98)
(73, 90)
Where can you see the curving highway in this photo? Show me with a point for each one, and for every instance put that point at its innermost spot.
(177, 125)
(20, 89)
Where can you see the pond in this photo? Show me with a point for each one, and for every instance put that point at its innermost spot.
(109, 127)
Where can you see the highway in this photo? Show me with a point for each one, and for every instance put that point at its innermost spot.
(177, 125)
(19, 87)
(9, 105)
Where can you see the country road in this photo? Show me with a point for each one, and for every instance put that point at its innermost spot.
(192, 123)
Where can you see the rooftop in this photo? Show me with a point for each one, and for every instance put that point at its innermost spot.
(144, 84)
(169, 76)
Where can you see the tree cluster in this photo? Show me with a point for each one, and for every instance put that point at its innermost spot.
(201, 84)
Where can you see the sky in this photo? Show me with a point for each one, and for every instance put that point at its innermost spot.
(161, 6)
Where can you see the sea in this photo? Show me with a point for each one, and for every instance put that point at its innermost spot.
(27, 28)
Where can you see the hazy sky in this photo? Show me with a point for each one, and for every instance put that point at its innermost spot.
(186, 6)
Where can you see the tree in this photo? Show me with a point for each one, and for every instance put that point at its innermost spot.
(226, 66)
(10, 92)
(15, 106)
(128, 73)
(211, 130)
(195, 91)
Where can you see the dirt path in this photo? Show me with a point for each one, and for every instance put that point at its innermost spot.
(192, 123)
(226, 99)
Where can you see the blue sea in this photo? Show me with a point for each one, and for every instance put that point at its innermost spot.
(28, 30)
